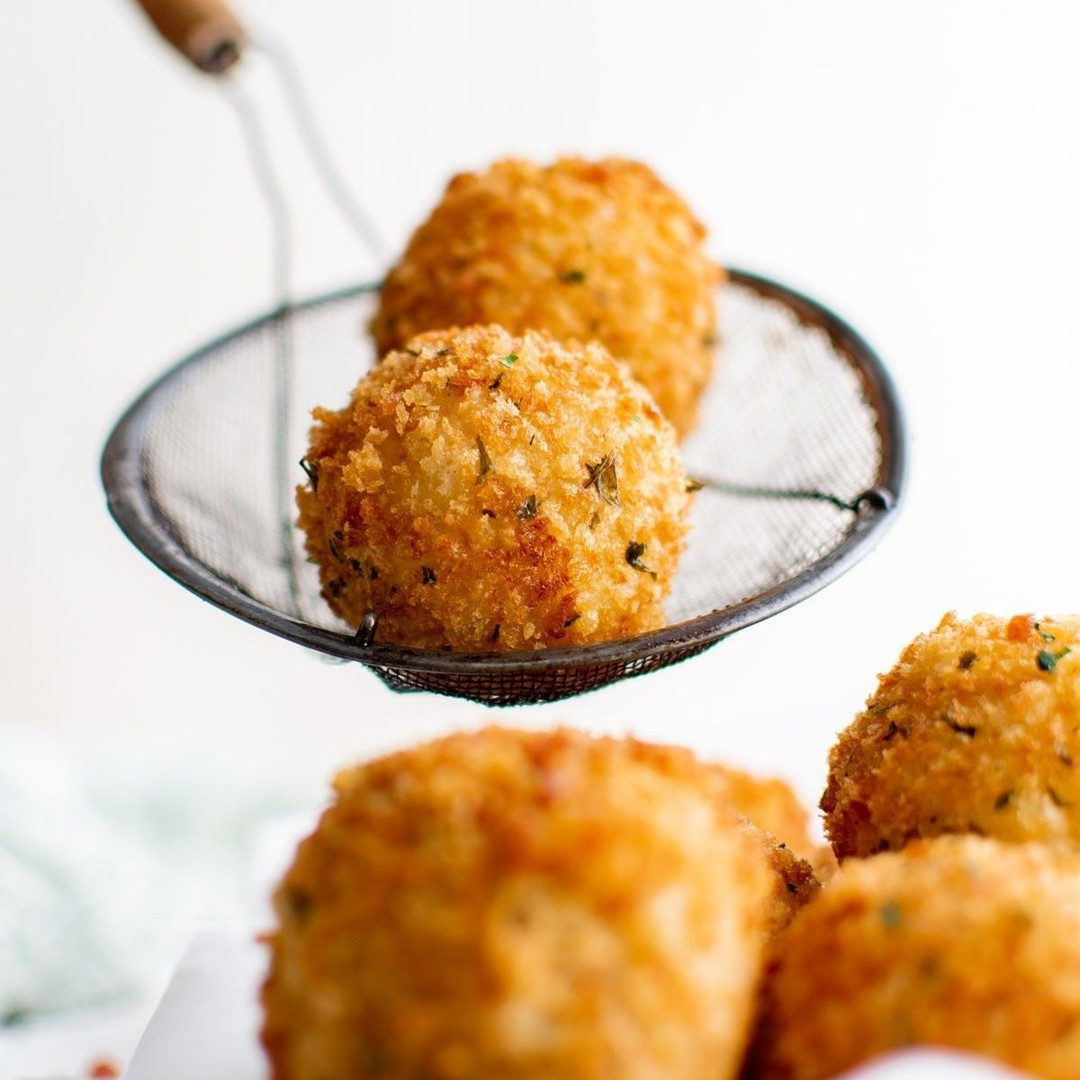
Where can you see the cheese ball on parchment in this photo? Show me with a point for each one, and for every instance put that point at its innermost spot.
(511, 904)
(483, 491)
(588, 250)
(976, 729)
(959, 941)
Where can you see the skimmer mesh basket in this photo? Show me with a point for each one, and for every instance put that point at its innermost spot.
(799, 446)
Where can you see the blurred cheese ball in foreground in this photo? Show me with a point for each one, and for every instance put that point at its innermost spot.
(779, 821)
(976, 729)
(959, 941)
(489, 492)
(511, 904)
(586, 250)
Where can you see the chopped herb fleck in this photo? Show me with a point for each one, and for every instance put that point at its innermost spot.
(894, 730)
(573, 619)
(312, 470)
(487, 513)
(414, 352)
(881, 708)
(1047, 661)
(509, 361)
(335, 587)
(1042, 633)
(485, 460)
(605, 479)
(1002, 800)
(572, 277)
(528, 509)
(445, 351)
(634, 551)
(356, 565)
(298, 904)
(890, 913)
(496, 382)
(495, 632)
(594, 520)
(532, 439)
(428, 575)
(969, 730)
(967, 659)
(335, 550)
(693, 485)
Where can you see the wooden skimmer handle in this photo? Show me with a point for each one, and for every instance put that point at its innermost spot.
(205, 31)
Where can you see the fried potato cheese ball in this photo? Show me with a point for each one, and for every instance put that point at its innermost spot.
(976, 729)
(588, 250)
(506, 904)
(489, 492)
(959, 941)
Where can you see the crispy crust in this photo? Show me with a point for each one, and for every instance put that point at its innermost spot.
(518, 905)
(775, 816)
(772, 805)
(452, 496)
(969, 732)
(794, 883)
(959, 941)
(587, 250)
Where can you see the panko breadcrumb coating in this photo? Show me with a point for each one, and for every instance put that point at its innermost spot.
(510, 904)
(773, 813)
(976, 729)
(959, 941)
(771, 804)
(588, 250)
(489, 492)
(794, 882)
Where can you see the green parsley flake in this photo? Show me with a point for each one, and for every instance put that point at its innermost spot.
(1047, 661)
(485, 460)
(528, 509)
(634, 550)
(891, 916)
(605, 479)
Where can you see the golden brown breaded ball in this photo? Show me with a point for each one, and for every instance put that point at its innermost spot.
(772, 805)
(771, 812)
(588, 250)
(794, 883)
(489, 492)
(960, 941)
(976, 729)
(511, 904)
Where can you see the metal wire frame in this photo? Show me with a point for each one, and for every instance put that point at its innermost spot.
(516, 677)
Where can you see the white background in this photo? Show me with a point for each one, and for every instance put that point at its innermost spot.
(916, 166)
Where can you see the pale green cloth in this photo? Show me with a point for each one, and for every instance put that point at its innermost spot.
(108, 863)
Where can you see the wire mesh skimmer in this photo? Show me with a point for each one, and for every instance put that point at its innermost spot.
(800, 450)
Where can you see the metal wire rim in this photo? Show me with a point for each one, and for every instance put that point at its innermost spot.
(131, 504)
